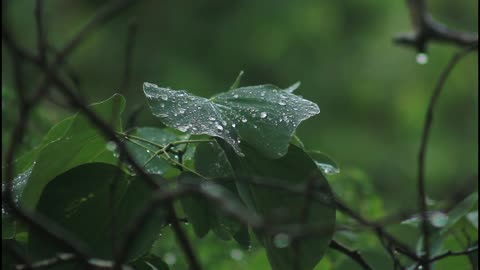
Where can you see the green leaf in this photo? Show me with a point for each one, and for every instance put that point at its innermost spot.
(437, 219)
(324, 162)
(282, 206)
(135, 199)
(473, 218)
(211, 161)
(8, 222)
(81, 201)
(264, 116)
(150, 262)
(460, 211)
(236, 83)
(160, 136)
(197, 210)
(72, 142)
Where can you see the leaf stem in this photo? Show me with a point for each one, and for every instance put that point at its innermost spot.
(163, 151)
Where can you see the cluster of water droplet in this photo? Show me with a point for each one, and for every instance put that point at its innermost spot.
(229, 115)
(18, 184)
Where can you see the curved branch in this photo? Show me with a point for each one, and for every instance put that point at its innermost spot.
(428, 29)
(353, 254)
(423, 150)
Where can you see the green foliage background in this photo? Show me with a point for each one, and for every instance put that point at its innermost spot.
(372, 94)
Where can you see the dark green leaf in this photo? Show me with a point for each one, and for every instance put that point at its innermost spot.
(283, 206)
(160, 136)
(135, 199)
(72, 142)
(211, 161)
(263, 116)
(81, 201)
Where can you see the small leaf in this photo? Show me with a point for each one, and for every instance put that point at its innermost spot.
(324, 162)
(437, 219)
(70, 143)
(460, 211)
(160, 136)
(293, 87)
(264, 116)
(297, 142)
(236, 83)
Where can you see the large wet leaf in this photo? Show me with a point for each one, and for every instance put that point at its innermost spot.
(72, 142)
(281, 198)
(263, 116)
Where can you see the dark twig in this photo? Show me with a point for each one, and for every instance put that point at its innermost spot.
(130, 42)
(69, 71)
(393, 254)
(41, 36)
(105, 14)
(353, 254)
(397, 245)
(423, 150)
(427, 29)
(98, 122)
(452, 254)
(48, 228)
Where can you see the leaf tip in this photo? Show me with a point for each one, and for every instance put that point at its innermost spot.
(293, 87)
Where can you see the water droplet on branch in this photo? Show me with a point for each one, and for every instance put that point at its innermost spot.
(422, 58)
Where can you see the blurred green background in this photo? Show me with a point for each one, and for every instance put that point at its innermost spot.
(372, 93)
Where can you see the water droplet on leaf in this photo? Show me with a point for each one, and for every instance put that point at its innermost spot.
(111, 146)
(281, 240)
(236, 254)
(170, 258)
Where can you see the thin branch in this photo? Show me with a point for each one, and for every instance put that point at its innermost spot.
(428, 29)
(101, 17)
(41, 35)
(379, 230)
(353, 254)
(453, 254)
(43, 225)
(422, 196)
(130, 42)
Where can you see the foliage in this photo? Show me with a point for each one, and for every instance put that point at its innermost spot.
(74, 187)
(234, 181)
